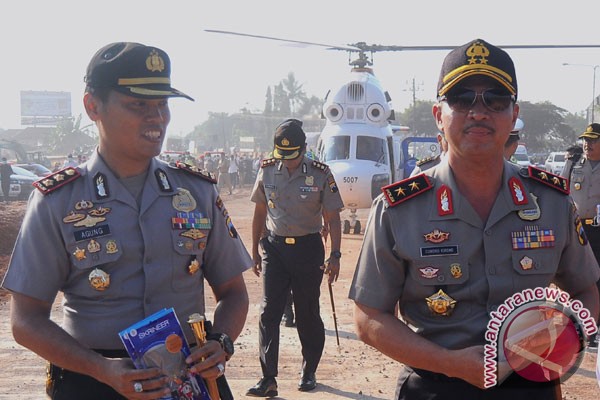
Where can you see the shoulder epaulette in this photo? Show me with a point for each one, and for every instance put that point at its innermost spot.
(192, 169)
(319, 165)
(405, 189)
(57, 179)
(268, 162)
(549, 179)
(426, 160)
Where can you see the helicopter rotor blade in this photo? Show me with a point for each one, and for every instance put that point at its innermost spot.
(331, 47)
(377, 48)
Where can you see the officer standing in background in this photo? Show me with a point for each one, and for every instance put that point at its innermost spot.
(293, 196)
(125, 235)
(445, 243)
(5, 173)
(584, 176)
(513, 141)
(430, 162)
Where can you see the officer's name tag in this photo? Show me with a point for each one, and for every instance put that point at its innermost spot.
(85, 234)
(439, 251)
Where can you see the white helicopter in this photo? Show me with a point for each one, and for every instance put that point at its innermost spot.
(359, 143)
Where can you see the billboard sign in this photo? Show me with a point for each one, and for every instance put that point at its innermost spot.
(44, 107)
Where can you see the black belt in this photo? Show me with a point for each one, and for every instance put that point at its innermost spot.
(119, 353)
(514, 380)
(293, 239)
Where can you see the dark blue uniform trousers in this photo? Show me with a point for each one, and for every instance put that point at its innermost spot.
(296, 266)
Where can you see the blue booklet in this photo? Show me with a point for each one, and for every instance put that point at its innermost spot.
(158, 341)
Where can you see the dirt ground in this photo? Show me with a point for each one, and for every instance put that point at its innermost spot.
(350, 371)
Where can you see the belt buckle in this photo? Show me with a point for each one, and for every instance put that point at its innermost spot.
(290, 240)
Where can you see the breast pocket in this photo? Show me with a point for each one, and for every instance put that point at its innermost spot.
(308, 193)
(577, 176)
(534, 268)
(448, 274)
(93, 262)
(188, 246)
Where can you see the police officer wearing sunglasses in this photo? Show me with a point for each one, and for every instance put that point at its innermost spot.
(454, 243)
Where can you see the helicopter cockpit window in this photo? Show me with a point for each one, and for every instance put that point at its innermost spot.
(336, 148)
(371, 148)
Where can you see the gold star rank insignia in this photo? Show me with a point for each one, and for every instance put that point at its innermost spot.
(405, 189)
(56, 180)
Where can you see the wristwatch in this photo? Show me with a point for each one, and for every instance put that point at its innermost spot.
(336, 254)
(225, 342)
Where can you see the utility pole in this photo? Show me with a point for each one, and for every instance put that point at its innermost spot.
(414, 87)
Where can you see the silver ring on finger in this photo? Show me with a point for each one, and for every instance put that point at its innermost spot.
(221, 369)
(137, 387)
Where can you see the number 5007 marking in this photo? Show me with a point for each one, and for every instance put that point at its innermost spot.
(350, 179)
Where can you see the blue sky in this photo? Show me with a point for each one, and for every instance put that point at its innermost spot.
(47, 45)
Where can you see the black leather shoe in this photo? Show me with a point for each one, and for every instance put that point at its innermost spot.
(308, 382)
(266, 387)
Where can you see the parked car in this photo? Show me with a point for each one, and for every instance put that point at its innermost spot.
(555, 162)
(25, 179)
(14, 190)
(37, 169)
(521, 157)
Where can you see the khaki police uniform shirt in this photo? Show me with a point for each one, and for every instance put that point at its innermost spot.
(413, 249)
(584, 185)
(295, 203)
(148, 251)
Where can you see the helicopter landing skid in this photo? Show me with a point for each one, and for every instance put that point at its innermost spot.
(352, 224)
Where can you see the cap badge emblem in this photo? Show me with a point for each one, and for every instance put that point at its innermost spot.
(285, 142)
(154, 62)
(478, 54)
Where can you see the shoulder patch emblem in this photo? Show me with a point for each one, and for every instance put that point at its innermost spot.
(192, 169)
(322, 166)
(58, 179)
(403, 190)
(268, 162)
(554, 181)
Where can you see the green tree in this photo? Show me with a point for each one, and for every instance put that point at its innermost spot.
(268, 102)
(545, 128)
(419, 118)
(294, 91)
(281, 102)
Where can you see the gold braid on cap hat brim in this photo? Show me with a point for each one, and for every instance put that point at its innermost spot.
(287, 148)
(458, 74)
(143, 81)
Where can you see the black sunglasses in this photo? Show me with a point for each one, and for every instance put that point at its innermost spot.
(464, 100)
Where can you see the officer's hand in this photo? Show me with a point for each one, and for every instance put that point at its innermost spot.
(332, 269)
(122, 376)
(471, 361)
(257, 267)
(208, 360)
